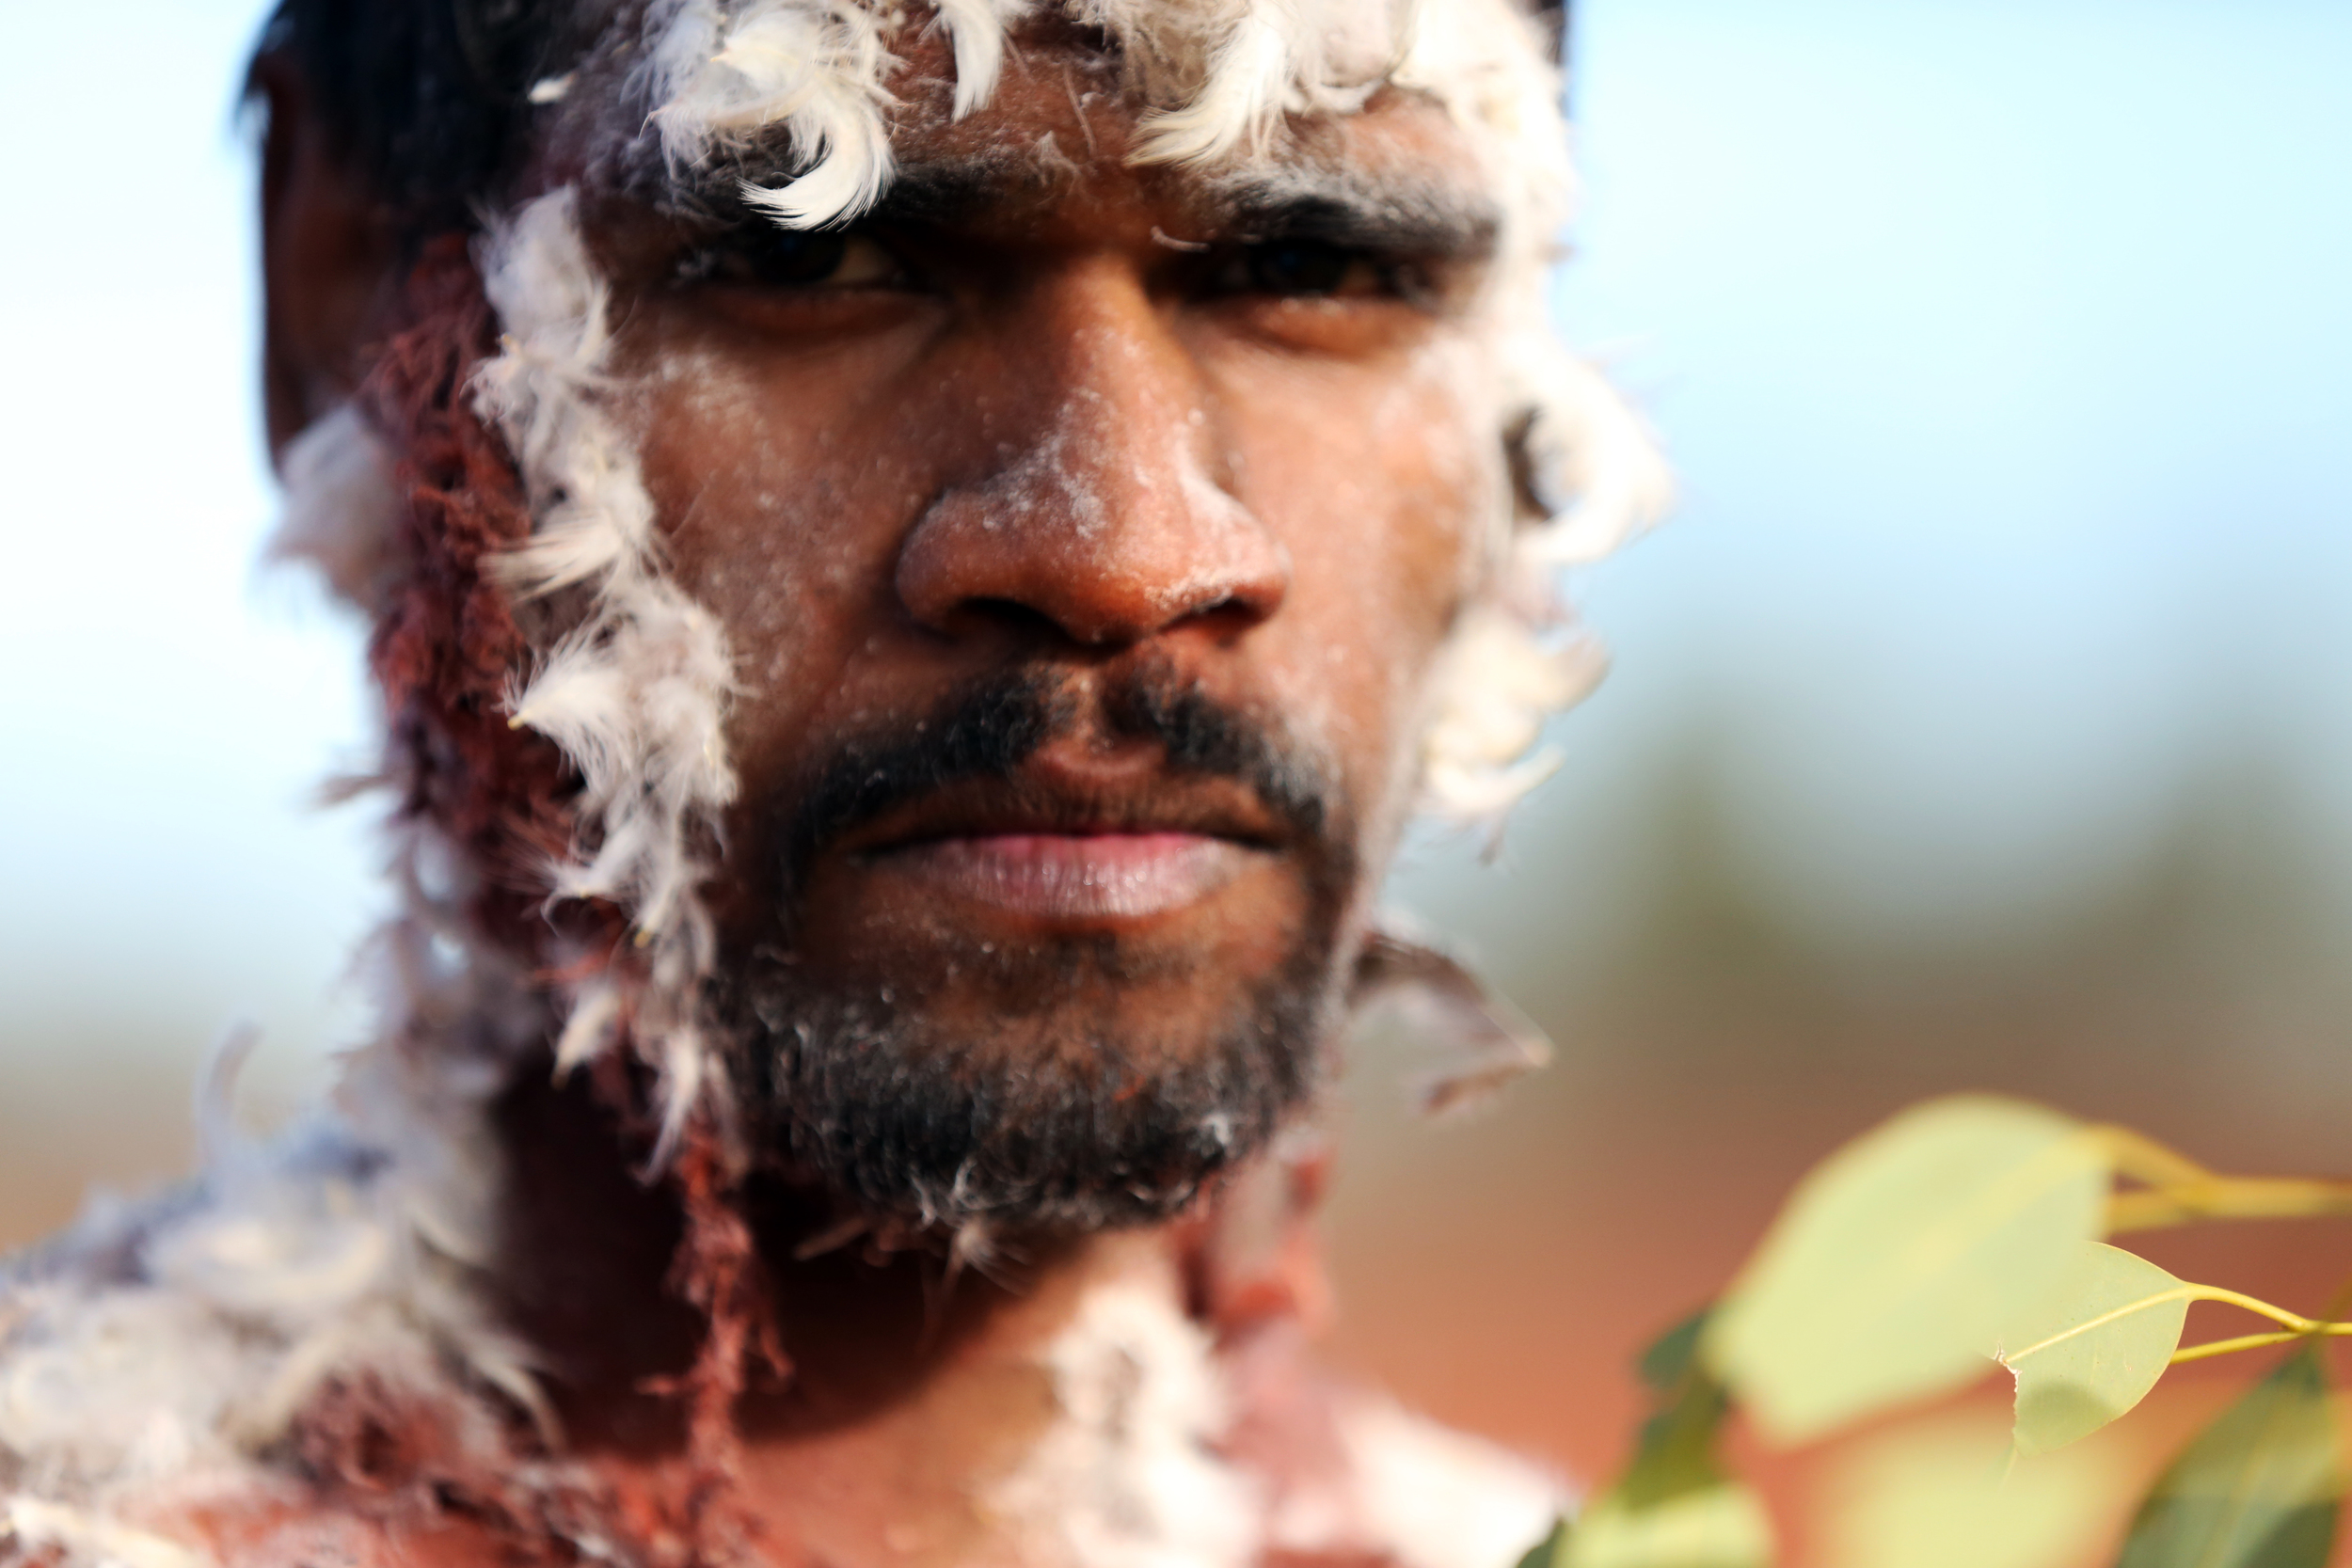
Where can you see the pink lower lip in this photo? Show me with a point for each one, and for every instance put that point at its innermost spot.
(1076, 876)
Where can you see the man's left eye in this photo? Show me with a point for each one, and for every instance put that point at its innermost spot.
(762, 255)
(1312, 269)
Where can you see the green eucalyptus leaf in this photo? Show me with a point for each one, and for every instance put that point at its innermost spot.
(1675, 1507)
(2095, 1348)
(2260, 1488)
(1668, 1360)
(1721, 1525)
(1946, 1494)
(1901, 1256)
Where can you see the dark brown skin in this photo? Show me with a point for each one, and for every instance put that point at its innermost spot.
(1059, 442)
(1036, 433)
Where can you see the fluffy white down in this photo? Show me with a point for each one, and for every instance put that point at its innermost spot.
(151, 1356)
(340, 507)
(1125, 1478)
(635, 692)
(1438, 1498)
(1128, 1477)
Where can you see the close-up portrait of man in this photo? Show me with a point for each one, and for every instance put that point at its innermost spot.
(917, 562)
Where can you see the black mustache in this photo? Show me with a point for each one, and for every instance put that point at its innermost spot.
(990, 729)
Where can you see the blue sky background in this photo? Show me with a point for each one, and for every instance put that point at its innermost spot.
(2005, 350)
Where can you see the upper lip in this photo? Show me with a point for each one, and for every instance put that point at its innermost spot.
(1160, 803)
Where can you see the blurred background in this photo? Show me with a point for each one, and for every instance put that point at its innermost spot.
(1982, 719)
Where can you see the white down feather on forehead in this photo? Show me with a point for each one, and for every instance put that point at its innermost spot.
(1220, 73)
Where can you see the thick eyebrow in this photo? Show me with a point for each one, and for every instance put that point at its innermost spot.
(941, 193)
(1394, 213)
(1399, 213)
(956, 193)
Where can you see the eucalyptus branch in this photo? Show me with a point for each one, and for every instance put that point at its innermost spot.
(2226, 1198)
(2134, 1154)
(2179, 1191)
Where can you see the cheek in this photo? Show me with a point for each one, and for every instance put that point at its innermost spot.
(739, 498)
(1384, 488)
(767, 500)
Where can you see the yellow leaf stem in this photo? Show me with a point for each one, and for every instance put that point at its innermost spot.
(2295, 1321)
(2298, 1327)
(2249, 1341)
(2140, 1157)
(2227, 1198)
(2179, 1191)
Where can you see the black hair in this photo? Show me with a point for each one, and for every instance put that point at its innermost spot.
(429, 100)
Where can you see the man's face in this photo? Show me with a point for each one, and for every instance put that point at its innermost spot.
(1084, 534)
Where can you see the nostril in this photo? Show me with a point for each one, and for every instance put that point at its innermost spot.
(1127, 558)
(1229, 617)
(1005, 615)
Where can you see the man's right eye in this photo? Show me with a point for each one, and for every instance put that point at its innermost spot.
(765, 255)
(1308, 269)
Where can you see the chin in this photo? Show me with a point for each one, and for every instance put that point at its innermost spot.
(1077, 1085)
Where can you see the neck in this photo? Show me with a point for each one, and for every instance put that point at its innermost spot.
(901, 1394)
(590, 1275)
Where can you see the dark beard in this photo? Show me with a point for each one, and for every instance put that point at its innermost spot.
(1027, 1130)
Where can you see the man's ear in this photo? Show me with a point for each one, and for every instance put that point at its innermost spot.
(326, 260)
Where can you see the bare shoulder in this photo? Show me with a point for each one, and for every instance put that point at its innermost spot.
(155, 1358)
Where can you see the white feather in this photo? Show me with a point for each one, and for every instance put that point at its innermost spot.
(977, 29)
(634, 694)
(581, 701)
(1593, 463)
(575, 545)
(1126, 1474)
(683, 1067)
(81, 1539)
(340, 511)
(593, 1013)
(815, 67)
(1251, 71)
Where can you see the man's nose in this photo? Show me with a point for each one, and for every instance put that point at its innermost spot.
(1106, 509)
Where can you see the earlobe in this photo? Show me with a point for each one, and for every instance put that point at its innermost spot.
(327, 259)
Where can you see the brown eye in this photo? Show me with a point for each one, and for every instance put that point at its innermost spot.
(762, 255)
(1298, 267)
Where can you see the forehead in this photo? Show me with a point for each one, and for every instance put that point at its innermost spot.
(1070, 115)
